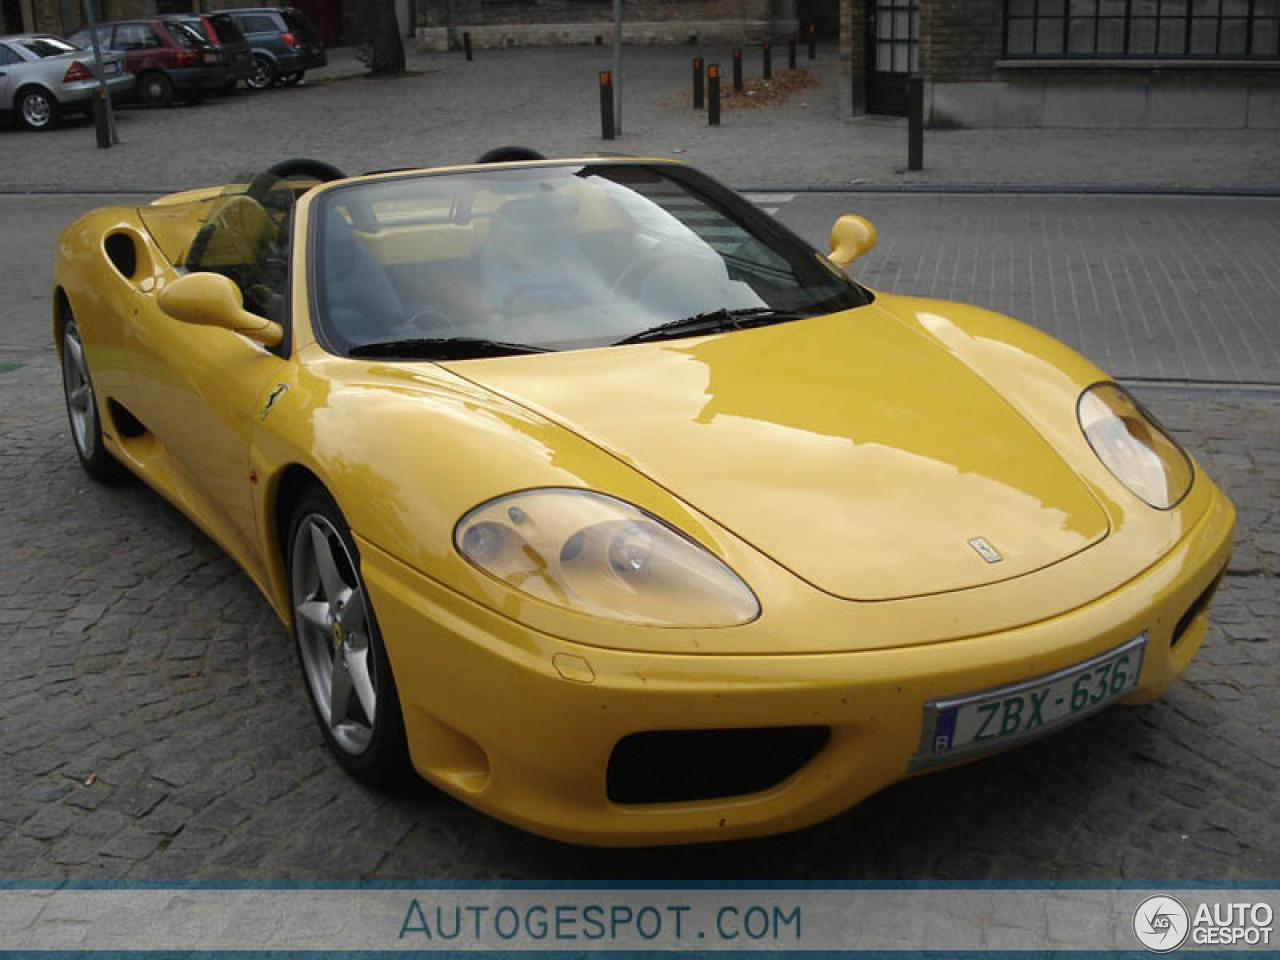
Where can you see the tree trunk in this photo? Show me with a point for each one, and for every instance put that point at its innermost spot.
(382, 31)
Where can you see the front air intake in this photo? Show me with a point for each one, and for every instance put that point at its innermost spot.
(669, 766)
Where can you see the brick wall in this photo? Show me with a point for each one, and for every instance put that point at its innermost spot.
(518, 22)
(448, 13)
(960, 40)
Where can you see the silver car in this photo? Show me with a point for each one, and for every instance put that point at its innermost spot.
(40, 75)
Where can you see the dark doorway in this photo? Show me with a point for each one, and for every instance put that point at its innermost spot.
(892, 49)
(823, 14)
(327, 16)
(11, 17)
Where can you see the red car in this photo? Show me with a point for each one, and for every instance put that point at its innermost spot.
(169, 58)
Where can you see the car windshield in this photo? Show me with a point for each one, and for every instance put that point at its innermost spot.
(49, 46)
(555, 257)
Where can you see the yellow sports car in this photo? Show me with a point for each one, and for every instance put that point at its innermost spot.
(611, 507)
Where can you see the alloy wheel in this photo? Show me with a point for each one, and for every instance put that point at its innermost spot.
(334, 634)
(37, 110)
(81, 406)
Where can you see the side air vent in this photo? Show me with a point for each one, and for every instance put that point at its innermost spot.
(122, 251)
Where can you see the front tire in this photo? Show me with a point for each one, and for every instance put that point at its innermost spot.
(82, 409)
(344, 663)
(38, 109)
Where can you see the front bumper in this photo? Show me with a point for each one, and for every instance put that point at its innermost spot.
(522, 725)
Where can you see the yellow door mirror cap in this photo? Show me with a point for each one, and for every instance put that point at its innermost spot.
(212, 300)
(851, 237)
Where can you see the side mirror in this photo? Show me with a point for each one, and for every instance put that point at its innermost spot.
(851, 237)
(212, 300)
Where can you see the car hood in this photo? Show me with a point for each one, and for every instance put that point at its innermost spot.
(852, 450)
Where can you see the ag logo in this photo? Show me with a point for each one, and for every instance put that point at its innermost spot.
(1161, 923)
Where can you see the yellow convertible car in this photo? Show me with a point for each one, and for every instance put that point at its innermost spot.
(611, 507)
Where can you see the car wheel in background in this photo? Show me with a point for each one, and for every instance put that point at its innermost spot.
(344, 664)
(155, 89)
(37, 109)
(291, 79)
(82, 408)
(195, 97)
(264, 74)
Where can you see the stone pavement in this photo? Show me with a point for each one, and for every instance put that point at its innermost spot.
(450, 111)
(153, 723)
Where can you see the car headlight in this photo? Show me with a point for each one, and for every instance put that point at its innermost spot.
(1134, 446)
(595, 554)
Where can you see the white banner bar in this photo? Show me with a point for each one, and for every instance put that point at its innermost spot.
(698, 919)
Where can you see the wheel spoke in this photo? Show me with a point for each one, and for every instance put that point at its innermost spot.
(352, 616)
(315, 614)
(358, 667)
(77, 354)
(339, 690)
(328, 569)
(79, 398)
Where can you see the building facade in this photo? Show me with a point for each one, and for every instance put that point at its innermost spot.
(499, 23)
(1072, 63)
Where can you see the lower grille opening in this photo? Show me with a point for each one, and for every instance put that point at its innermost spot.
(668, 766)
(1197, 608)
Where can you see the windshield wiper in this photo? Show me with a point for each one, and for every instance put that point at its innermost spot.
(713, 321)
(445, 348)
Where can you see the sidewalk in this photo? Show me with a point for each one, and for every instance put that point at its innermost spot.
(447, 110)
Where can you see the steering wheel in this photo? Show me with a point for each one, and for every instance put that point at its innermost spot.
(539, 298)
(632, 279)
(302, 168)
(431, 322)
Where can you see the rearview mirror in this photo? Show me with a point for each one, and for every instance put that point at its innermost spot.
(851, 237)
(212, 300)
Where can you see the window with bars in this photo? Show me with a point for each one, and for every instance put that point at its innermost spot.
(1143, 29)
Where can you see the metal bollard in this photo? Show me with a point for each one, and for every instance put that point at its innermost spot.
(697, 83)
(737, 70)
(915, 123)
(768, 60)
(606, 104)
(791, 52)
(466, 45)
(713, 95)
(813, 42)
(101, 125)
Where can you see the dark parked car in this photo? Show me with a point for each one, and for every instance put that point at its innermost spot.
(221, 30)
(168, 57)
(285, 44)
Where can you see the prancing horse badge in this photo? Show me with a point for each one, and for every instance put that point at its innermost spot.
(985, 550)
